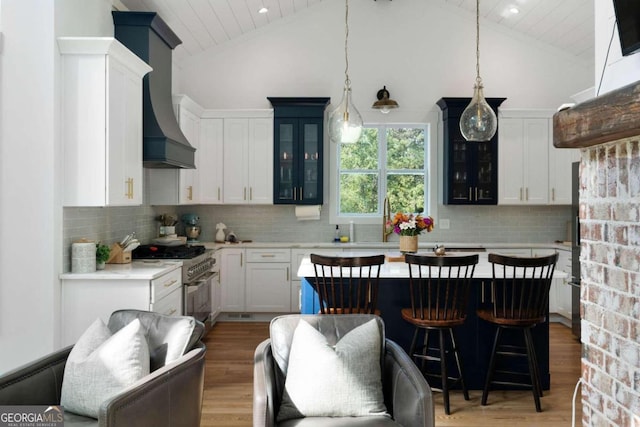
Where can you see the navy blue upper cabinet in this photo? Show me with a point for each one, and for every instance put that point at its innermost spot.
(470, 168)
(298, 150)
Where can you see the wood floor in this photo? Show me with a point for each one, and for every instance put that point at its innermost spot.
(228, 385)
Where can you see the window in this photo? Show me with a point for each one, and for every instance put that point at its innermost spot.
(388, 160)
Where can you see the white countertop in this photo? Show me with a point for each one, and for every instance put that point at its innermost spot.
(391, 246)
(136, 270)
(400, 270)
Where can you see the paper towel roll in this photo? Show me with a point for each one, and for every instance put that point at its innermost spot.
(305, 213)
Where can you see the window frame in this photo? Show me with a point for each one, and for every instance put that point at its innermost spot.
(431, 174)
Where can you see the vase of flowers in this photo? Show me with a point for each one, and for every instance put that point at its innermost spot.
(409, 226)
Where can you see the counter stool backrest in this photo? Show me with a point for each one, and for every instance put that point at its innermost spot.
(520, 288)
(347, 285)
(439, 286)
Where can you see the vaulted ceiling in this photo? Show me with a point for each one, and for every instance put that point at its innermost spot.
(202, 24)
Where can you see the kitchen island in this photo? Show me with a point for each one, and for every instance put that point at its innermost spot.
(475, 337)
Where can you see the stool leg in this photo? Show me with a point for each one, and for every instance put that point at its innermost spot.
(533, 370)
(458, 357)
(492, 363)
(412, 349)
(443, 373)
(535, 363)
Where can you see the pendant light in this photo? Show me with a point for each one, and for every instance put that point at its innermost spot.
(345, 122)
(478, 121)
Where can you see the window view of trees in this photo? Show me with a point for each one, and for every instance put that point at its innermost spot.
(386, 161)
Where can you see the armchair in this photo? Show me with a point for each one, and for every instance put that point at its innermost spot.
(407, 396)
(171, 395)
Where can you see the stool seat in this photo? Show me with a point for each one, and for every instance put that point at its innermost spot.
(428, 319)
(530, 318)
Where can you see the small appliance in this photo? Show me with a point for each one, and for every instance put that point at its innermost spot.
(191, 227)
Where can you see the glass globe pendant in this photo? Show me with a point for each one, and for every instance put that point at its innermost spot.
(478, 122)
(345, 122)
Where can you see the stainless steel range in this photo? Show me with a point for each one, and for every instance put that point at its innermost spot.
(199, 270)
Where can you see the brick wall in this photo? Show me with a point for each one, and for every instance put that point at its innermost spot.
(610, 294)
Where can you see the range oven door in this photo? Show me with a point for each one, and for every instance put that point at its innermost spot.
(197, 297)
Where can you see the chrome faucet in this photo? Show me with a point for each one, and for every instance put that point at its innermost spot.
(386, 212)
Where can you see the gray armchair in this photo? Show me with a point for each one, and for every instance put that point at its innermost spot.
(171, 395)
(407, 396)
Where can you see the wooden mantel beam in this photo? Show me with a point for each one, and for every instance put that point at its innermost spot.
(609, 117)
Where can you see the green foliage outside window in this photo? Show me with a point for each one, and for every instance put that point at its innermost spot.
(395, 154)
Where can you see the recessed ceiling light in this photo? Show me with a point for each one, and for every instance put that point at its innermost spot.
(514, 10)
(263, 8)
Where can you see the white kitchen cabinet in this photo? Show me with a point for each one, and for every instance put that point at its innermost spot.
(268, 280)
(523, 165)
(248, 165)
(180, 186)
(216, 287)
(84, 298)
(232, 279)
(211, 154)
(560, 291)
(560, 160)
(101, 122)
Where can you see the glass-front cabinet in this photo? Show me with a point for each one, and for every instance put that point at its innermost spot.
(298, 150)
(470, 168)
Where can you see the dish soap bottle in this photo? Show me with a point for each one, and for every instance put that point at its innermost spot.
(336, 237)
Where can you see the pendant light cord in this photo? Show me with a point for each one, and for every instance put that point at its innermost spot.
(478, 78)
(347, 82)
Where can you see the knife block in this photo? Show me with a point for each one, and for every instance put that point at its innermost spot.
(118, 256)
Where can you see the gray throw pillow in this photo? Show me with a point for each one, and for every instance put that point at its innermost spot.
(100, 365)
(323, 381)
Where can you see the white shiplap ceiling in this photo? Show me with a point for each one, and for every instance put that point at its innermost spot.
(202, 24)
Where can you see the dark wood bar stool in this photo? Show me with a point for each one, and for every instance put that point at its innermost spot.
(347, 285)
(439, 290)
(520, 301)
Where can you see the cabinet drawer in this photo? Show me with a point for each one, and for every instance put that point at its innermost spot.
(163, 285)
(170, 305)
(268, 255)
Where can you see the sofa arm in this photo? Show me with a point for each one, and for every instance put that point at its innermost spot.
(264, 411)
(407, 393)
(37, 383)
(169, 396)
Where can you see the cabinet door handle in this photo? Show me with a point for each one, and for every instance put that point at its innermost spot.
(295, 193)
(553, 194)
(218, 193)
(301, 196)
(287, 274)
(526, 192)
(521, 193)
(241, 259)
(244, 193)
(171, 312)
(470, 194)
(129, 184)
(476, 194)
(171, 283)
(190, 192)
(267, 255)
(250, 193)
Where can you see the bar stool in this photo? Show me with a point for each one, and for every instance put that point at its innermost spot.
(439, 290)
(347, 285)
(520, 301)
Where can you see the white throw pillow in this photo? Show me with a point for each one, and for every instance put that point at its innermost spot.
(324, 381)
(100, 365)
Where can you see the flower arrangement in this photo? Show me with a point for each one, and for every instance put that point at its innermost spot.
(410, 224)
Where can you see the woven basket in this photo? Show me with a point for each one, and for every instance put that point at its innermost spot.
(409, 244)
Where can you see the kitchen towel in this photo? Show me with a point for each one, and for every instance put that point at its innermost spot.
(305, 213)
